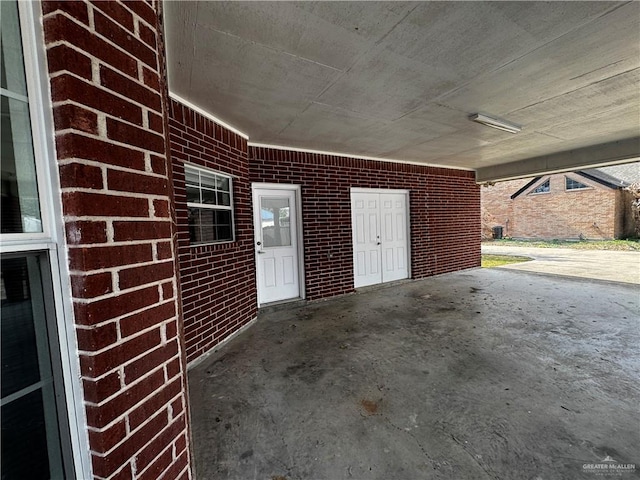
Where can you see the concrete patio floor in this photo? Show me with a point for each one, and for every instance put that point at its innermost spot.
(481, 374)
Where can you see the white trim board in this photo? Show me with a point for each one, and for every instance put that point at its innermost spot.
(359, 157)
(228, 126)
(403, 191)
(210, 116)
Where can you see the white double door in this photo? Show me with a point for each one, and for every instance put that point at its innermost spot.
(380, 236)
(277, 240)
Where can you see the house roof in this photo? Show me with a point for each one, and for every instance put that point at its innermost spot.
(525, 187)
(628, 172)
(603, 178)
(616, 176)
(398, 80)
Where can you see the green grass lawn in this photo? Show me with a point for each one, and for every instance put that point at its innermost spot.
(622, 245)
(489, 261)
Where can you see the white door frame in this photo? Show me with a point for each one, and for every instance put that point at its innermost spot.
(299, 231)
(404, 192)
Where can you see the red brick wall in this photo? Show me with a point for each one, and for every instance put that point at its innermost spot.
(218, 280)
(444, 210)
(559, 214)
(105, 63)
(497, 206)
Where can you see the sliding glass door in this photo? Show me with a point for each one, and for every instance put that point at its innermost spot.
(31, 441)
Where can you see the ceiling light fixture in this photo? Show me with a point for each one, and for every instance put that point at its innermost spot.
(495, 123)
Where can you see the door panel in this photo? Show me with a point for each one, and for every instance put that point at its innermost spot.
(360, 228)
(360, 263)
(402, 257)
(394, 210)
(276, 243)
(269, 272)
(379, 237)
(366, 223)
(288, 269)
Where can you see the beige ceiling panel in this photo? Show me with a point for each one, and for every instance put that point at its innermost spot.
(330, 126)
(445, 145)
(309, 30)
(253, 76)
(494, 34)
(505, 151)
(399, 80)
(608, 94)
(254, 121)
(605, 127)
(431, 36)
(387, 85)
(603, 48)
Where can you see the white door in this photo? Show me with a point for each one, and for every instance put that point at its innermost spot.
(393, 220)
(365, 212)
(276, 244)
(380, 240)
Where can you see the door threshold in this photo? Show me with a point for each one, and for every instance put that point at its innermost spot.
(378, 286)
(289, 302)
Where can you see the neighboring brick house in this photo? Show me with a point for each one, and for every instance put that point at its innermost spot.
(131, 229)
(585, 204)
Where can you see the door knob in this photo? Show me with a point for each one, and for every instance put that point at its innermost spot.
(260, 252)
(378, 243)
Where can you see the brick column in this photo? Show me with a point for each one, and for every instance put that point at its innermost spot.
(106, 64)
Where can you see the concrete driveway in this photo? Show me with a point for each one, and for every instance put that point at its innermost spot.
(478, 375)
(607, 265)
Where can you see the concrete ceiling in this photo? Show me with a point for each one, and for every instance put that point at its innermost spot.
(398, 81)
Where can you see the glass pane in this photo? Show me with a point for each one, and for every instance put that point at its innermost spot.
(209, 225)
(224, 229)
(208, 180)
(31, 442)
(12, 69)
(208, 196)
(194, 224)
(274, 216)
(20, 204)
(223, 217)
(223, 232)
(207, 233)
(542, 188)
(191, 177)
(19, 348)
(572, 184)
(223, 184)
(207, 230)
(207, 216)
(24, 438)
(224, 199)
(193, 194)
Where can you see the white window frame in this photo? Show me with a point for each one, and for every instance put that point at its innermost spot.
(584, 187)
(52, 239)
(533, 190)
(209, 206)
